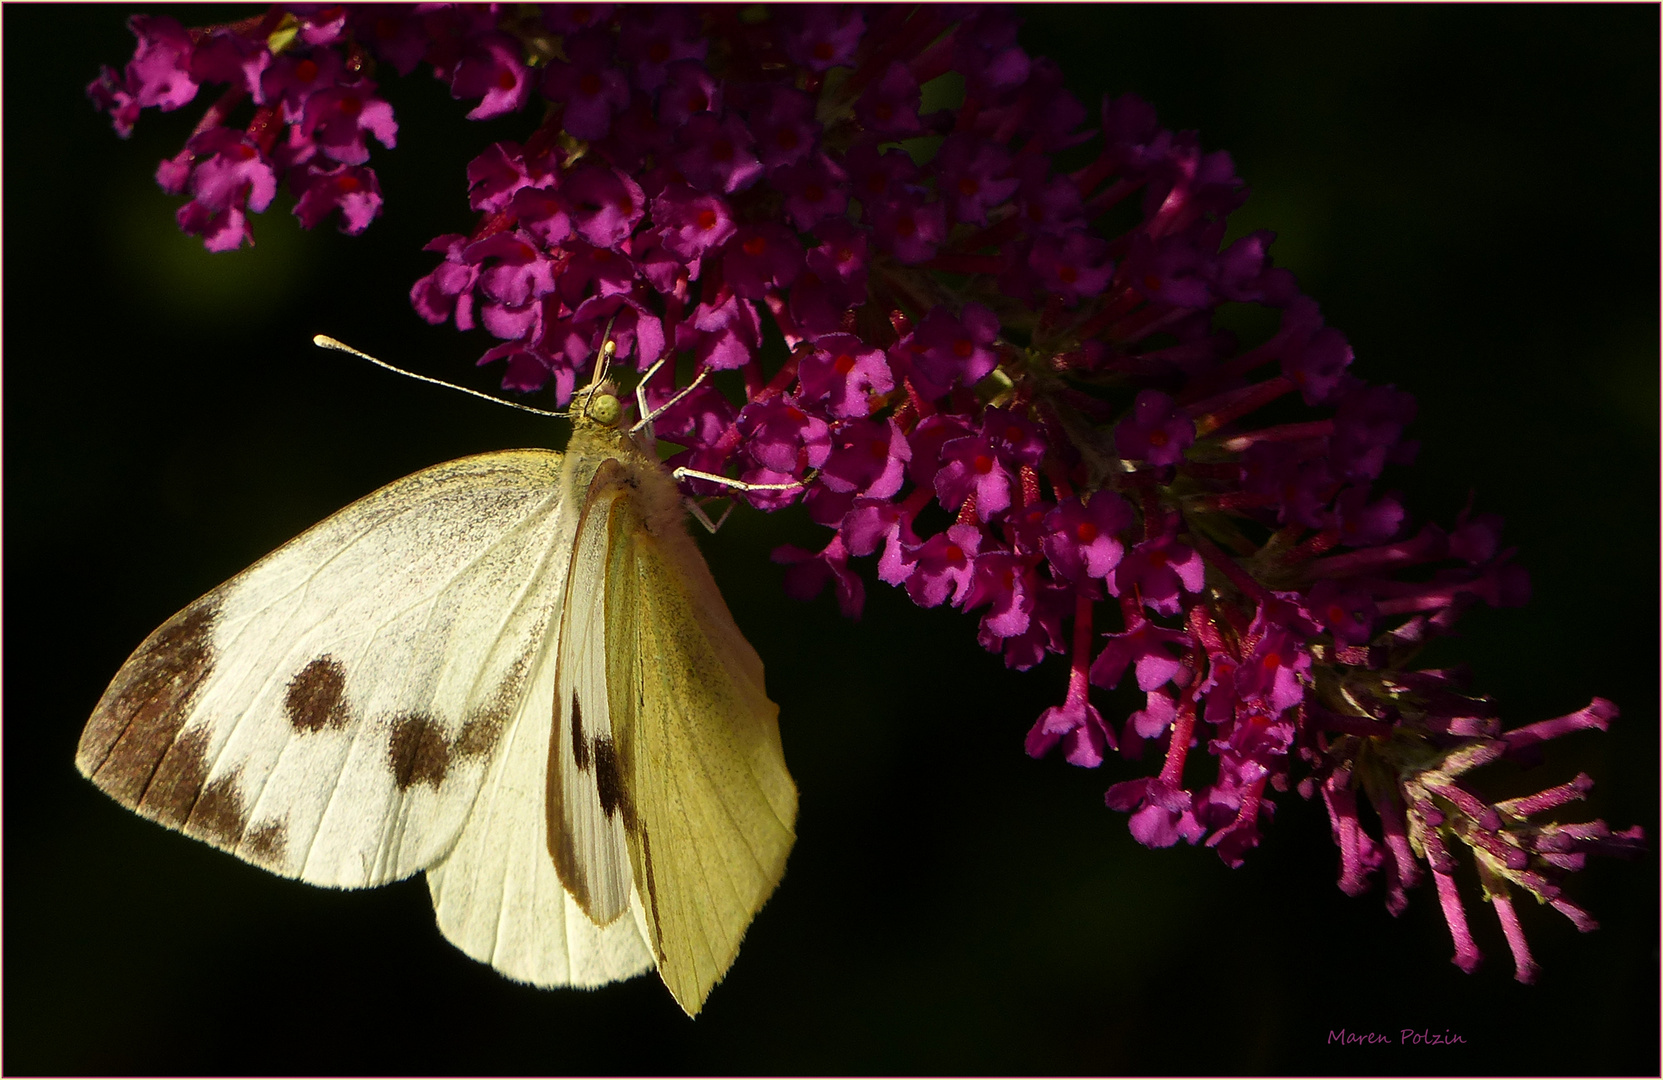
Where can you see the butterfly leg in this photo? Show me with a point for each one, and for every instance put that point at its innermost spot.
(641, 398)
(738, 485)
(726, 481)
(641, 408)
(703, 518)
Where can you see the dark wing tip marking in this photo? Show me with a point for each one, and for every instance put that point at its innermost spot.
(179, 796)
(418, 751)
(316, 697)
(176, 785)
(267, 843)
(219, 816)
(138, 718)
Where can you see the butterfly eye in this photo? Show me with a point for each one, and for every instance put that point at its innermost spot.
(604, 408)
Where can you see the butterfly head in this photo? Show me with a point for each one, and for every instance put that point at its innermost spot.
(604, 407)
(598, 405)
(599, 400)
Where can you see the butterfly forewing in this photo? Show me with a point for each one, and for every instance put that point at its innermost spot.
(712, 832)
(330, 712)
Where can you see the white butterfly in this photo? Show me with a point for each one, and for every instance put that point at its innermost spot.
(513, 671)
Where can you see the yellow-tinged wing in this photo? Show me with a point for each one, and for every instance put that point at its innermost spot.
(710, 806)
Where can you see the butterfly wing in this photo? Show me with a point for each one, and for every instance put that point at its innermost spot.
(497, 895)
(708, 805)
(331, 712)
(586, 817)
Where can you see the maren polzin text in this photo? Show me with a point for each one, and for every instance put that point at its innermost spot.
(1405, 1037)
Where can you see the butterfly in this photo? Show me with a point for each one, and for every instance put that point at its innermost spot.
(511, 671)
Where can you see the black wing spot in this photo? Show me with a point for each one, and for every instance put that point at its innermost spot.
(609, 783)
(580, 746)
(418, 752)
(316, 697)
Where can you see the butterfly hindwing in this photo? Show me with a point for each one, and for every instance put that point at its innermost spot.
(704, 782)
(587, 818)
(330, 713)
(498, 896)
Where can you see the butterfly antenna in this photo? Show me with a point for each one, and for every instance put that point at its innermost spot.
(603, 363)
(323, 341)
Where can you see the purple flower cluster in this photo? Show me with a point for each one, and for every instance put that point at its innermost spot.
(1017, 410)
(314, 111)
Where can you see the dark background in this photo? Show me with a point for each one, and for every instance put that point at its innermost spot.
(1471, 193)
